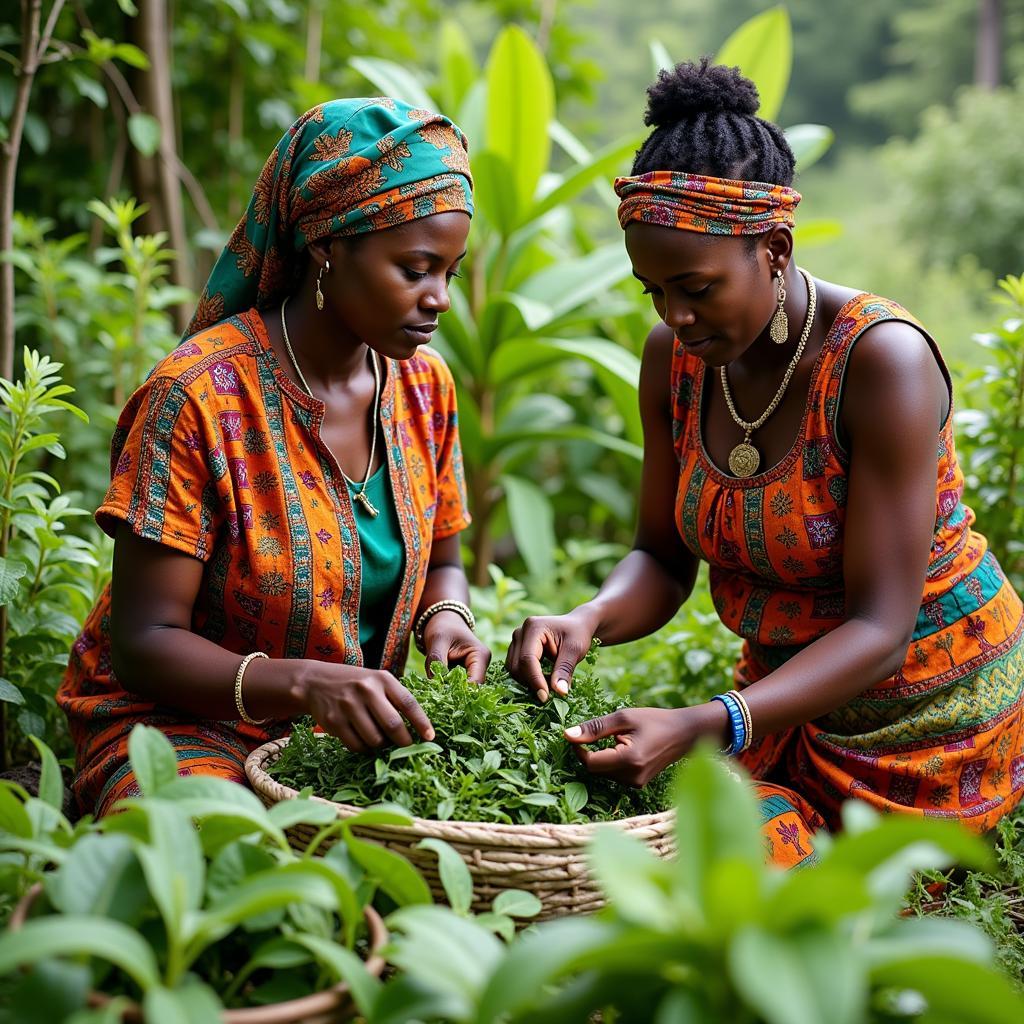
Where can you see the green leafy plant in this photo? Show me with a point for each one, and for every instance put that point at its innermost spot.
(716, 935)
(45, 572)
(496, 756)
(991, 432)
(190, 899)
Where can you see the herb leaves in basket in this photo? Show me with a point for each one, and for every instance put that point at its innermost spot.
(497, 756)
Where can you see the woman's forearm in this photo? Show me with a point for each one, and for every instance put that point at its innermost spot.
(825, 675)
(177, 668)
(639, 596)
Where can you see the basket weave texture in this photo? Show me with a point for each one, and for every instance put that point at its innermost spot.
(547, 860)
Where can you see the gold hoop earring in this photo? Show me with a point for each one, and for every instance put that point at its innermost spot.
(779, 329)
(320, 294)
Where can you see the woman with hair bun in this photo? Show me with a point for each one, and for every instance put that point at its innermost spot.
(798, 438)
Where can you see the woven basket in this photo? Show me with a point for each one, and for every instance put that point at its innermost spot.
(547, 860)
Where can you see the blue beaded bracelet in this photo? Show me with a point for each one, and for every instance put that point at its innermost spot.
(736, 720)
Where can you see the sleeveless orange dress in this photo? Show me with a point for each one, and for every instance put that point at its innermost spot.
(943, 736)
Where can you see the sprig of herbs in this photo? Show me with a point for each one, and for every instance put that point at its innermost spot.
(496, 756)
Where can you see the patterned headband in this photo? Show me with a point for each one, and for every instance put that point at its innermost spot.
(343, 168)
(711, 206)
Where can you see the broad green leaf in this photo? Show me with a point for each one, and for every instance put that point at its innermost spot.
(49, 992)
(144, 131)
(564, 434)
(809, 142)
(516, 903)
(455, 876)
(76, 935)
(500, 924)
(392, 872)
(762, 48)
(457, 65)
(495, 193)
(172, 862)
(380, 814)
(232, 865)
(9, 693)
(11, 573)
(13, 816)
(293, 812)
(822, 893)
(576, 795)
(717, 819)
(631, 877)
(914, 938)
(415, 750)
(196, 1004)
(393, 80)
(956, 990)
(346, 967)
(51, 782)
(153, 759)
(813, 977)
(519, 357)
(604, 164)
(571, 283)
(661, 60)
(101, 876)
(868, 850)
(535, 961)
(520, 104)
(532, 519)
(301, 882)
(447, 952)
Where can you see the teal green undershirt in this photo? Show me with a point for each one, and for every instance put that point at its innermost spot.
(382, 553)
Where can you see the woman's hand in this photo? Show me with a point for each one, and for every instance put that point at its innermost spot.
(647, 739)
(365, 708)
(565, 638)
(447, 639)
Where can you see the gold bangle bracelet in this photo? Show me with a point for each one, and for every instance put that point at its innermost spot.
(747, 724)
(239, 675)
(459, 607)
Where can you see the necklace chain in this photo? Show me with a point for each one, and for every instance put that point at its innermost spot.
(744, 458)
(359, 495)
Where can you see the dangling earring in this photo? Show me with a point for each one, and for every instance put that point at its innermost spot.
(320, 294)
(780, 322)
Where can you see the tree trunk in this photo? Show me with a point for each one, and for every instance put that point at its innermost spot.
(31, 15)
(155, 180)
(989, 44)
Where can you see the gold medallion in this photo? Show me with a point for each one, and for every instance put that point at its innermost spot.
(744, 459)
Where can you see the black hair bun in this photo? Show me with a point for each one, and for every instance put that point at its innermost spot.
(699, 88)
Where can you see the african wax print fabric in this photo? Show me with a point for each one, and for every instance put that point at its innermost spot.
(710, 206)
(219, 455)
(343, 168)
(942, 736)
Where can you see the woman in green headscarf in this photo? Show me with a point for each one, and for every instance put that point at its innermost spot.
(287, 486)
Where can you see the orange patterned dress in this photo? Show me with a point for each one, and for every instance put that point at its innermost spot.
(219, 455)
(941, 737)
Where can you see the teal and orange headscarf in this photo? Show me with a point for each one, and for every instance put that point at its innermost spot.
(712, 206)
(343, 168)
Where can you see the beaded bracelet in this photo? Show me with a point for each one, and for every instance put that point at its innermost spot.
(242, 713)
(739, 719)
(428, 613)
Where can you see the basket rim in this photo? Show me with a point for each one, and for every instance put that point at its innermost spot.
(259, 779)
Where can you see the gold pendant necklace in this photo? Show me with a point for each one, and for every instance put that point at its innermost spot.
(360, 495)
(744, 459)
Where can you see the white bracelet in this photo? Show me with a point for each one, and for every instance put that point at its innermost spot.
(242, 713)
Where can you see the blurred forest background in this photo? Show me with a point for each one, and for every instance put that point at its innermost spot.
(131, 133)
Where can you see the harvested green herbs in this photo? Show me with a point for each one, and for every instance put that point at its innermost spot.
(497, 756)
